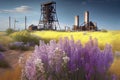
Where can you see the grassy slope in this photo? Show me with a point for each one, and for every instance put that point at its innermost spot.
(110, 37)
(4, 39)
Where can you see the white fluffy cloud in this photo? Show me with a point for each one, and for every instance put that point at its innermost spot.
(23, 9)
(20, 9)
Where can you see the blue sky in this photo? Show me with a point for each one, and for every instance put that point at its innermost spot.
(105, 12)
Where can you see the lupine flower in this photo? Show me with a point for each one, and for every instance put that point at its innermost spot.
(19, 45)
(69, 60)
(66, 59)
(114, 77)
(39, 65)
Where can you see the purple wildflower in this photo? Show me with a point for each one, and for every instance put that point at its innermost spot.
(17, 43)
(114, 77)
(69, 60)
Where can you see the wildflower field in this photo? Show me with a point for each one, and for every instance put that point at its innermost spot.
(110, 37)
(64, 55)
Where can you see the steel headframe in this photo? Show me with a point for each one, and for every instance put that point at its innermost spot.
(48, 18)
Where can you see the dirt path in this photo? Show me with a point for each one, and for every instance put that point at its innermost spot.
(12, 57)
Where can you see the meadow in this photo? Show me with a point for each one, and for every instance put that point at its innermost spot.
(4, 39)
(110, 37)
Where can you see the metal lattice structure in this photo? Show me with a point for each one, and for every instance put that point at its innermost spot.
(48, 18)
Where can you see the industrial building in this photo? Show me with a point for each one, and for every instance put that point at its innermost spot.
(32, 27)
(49, 21)
(86, 26)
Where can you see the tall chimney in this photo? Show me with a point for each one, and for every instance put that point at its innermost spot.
(77, 21)
(25, 22)
(86, 18)
(9, 22)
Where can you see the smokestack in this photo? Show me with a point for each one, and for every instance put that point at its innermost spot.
(25, 22)
(86, 18)
(9, 22)
(77, 21)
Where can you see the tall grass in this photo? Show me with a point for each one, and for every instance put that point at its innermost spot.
(110, 37)
(5, 39)
(115, 67)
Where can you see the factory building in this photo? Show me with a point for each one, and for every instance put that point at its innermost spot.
(32, 27)
(49, 20)
(87, 24)
(92, 27)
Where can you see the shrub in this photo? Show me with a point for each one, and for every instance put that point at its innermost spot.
(67, 60)
(19, 46)
(2, 48)
(9, 31)
(3, 63)
(104, 30)
(25, 36)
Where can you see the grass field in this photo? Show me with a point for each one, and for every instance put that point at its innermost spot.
(4, 39)
(110, 37)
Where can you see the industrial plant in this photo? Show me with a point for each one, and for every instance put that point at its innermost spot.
(49, 20)
(86, 25)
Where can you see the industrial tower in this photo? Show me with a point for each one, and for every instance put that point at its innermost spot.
(48, 18)
(86, 18)
(86, 25)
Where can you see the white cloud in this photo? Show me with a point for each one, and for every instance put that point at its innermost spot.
(23, 9)
(20, 9)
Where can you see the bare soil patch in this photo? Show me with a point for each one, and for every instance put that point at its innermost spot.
(12, 57)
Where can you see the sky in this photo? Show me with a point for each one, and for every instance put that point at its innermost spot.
(105, 13)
